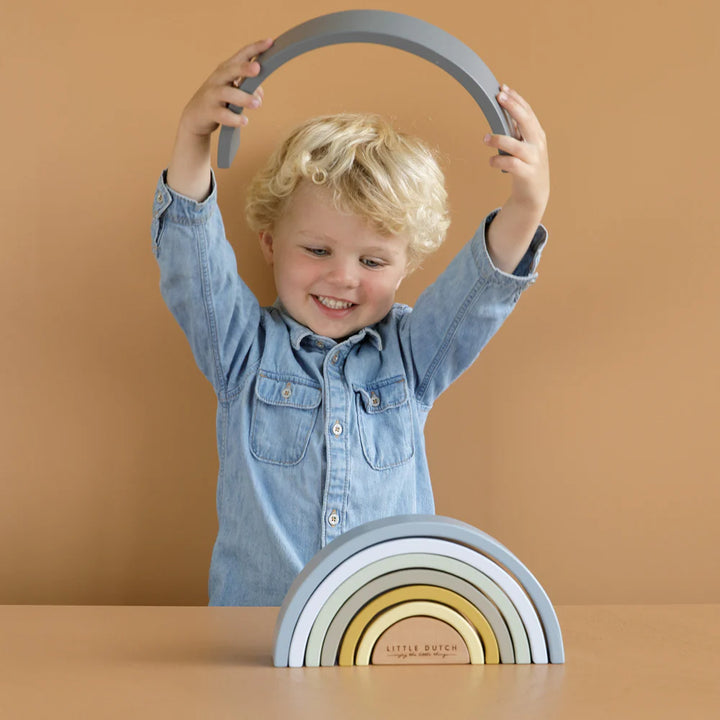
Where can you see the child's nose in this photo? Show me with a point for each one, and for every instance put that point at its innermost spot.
(344, 273)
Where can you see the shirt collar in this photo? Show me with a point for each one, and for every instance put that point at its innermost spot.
(299, 332)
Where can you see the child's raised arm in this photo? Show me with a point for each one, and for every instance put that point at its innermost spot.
(189, 168)
(513, 228)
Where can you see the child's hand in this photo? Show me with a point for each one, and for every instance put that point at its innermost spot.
(189, 167)
(527, 158)
(513, 228)
(207, 109)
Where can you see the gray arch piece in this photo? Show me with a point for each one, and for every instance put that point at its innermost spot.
(403, 526)
(414, 576)
(381, 28)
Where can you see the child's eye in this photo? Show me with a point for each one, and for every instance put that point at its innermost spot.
(372, 263)
(318, 252)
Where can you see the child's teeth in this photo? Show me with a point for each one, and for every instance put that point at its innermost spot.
(333, 304)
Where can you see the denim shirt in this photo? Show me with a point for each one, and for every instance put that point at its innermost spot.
(314, 435)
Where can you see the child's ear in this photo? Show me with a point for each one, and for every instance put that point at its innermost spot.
(266, 245)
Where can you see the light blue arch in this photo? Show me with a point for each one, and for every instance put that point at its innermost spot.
(404, 526)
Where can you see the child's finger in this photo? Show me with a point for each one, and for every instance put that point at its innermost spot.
(240, 98)
(509, 164)
(515, 95)
(522, 114)
(243, 64)
(511, 146)
(516, 109)
(251, 51)
(231, 119)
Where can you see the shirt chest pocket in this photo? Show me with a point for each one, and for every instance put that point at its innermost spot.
(283, 416)
(385, 421)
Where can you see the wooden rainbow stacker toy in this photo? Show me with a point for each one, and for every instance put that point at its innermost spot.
(416, 589)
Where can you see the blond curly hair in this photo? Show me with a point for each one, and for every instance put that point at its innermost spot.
(391, 179)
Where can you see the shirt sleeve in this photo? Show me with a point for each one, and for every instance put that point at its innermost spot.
(456, 316)
(200, 284)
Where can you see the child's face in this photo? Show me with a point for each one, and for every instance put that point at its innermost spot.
(333, 272)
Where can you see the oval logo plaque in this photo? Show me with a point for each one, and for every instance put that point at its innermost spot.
(420, 641)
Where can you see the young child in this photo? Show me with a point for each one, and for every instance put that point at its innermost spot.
(322, 398)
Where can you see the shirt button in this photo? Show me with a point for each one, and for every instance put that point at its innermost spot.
(319, 344)
(286, 391)
(335, 358)
(337, 429)
(374, 400)
(334, 518)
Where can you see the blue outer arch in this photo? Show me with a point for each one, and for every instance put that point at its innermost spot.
(402, 526)
(380, 27)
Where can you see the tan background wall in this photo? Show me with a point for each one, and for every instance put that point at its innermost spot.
(585, 438)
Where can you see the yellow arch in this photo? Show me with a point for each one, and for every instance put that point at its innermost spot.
(433, 593)
(415, 608)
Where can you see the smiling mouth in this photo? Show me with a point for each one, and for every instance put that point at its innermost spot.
(332, 303)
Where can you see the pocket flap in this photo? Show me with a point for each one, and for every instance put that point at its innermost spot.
(287, 391)
(383, 395)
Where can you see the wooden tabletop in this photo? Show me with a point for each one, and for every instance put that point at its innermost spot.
(657, 661)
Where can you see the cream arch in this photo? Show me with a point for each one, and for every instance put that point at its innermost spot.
(412, 609)
(406, 595)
